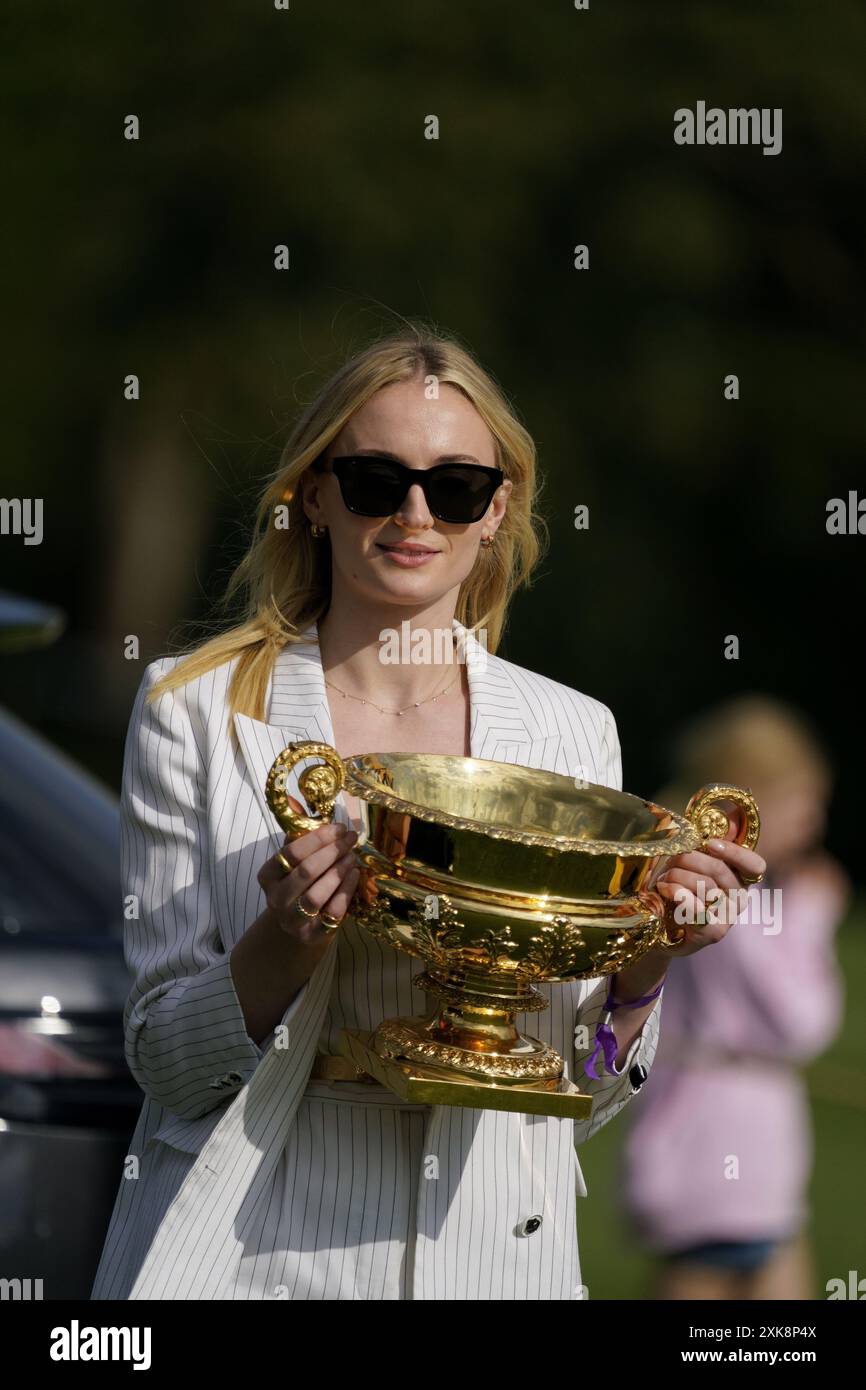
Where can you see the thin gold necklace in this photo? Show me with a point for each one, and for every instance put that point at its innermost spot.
(414, 705)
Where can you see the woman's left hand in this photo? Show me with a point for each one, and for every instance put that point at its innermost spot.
(693, 882)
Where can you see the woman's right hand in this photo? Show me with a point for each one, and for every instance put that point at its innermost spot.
(323, 878)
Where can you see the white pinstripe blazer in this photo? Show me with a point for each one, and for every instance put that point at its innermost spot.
(195, 830)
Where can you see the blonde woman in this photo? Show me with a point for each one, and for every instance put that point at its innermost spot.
(406, 493)
(717, 1159)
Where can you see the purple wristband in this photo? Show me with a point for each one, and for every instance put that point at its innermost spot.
(605, 1039)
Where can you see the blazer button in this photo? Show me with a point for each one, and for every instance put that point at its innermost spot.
(638, 1075)
(531, 1225)
(232, 1078)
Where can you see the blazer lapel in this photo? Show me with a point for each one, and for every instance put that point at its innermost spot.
(503, 727)
(297, 712)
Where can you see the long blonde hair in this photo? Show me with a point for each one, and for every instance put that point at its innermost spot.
(284, 580)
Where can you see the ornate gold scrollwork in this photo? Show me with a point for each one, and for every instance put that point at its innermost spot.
(320, 786)
(713, 823)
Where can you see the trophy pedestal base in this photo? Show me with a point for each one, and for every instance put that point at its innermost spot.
(425, 1086)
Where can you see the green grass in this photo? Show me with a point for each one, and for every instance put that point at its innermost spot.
(611, 1265)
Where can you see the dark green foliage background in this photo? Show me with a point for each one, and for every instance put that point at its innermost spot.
(306, 127)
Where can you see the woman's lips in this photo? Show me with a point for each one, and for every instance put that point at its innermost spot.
(409, 559)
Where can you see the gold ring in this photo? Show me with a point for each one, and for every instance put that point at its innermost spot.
(281, 859)
(305, 910)
(748, 879)
(328, 922)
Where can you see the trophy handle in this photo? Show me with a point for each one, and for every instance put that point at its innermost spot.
(712, 823)
(320, 785)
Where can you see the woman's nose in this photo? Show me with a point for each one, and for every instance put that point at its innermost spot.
(414, 510)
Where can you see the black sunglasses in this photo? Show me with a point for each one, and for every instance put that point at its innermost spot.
(375, 486)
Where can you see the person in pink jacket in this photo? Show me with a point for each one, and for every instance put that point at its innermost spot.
(717, 1156)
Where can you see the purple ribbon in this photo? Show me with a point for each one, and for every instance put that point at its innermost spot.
(605, 1039)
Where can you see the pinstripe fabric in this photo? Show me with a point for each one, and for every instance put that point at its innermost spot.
(256, 1183)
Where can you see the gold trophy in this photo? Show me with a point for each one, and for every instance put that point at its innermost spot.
(496, 876)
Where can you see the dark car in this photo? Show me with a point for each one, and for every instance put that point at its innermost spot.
(68, 1104)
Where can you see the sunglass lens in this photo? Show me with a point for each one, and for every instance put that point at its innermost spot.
(460, 494)
(372, 488)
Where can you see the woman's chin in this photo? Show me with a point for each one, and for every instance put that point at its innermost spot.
(408, 583)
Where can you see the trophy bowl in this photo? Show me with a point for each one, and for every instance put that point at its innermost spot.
(498, 877)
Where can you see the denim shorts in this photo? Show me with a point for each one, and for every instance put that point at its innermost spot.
(744, 1256)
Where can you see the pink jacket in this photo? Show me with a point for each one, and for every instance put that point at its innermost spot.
(718, 1144)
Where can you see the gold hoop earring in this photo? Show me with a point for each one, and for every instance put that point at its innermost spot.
(318, 531)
